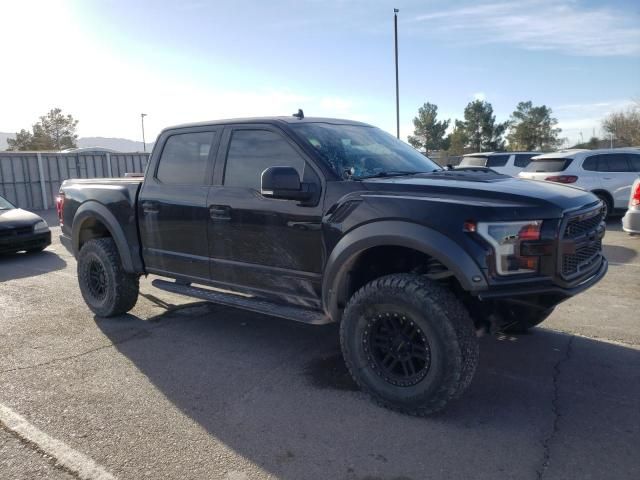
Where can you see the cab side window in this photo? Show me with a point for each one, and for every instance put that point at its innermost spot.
(185, 158)
(252, 151)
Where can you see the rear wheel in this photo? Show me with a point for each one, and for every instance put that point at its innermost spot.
(409, 343)
(106, 288)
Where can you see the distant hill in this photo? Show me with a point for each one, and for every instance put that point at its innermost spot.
(118, 144)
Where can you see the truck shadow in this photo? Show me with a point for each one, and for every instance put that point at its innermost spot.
(21, 265)
(278, 394)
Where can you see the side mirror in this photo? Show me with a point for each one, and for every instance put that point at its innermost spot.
(284, 183)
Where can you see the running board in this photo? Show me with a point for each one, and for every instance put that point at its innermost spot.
(253, 304)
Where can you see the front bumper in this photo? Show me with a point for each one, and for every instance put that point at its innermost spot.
(554, 293)
(16, 243)
(631, 221)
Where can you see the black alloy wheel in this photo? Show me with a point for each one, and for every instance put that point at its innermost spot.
(398, 348)
(97, 283)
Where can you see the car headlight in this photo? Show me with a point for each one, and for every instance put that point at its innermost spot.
(41, 227)
(506, 239)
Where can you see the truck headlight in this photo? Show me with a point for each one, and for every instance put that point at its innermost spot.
(506, 239)
(41, 227)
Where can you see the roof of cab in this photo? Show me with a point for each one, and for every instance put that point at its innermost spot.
(272, 120)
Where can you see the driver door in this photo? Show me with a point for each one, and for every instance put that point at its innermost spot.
(267, 245)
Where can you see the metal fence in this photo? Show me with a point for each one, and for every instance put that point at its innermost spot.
(31, 180)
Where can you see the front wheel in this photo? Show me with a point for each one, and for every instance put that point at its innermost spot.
(106, 288)
(409, 343)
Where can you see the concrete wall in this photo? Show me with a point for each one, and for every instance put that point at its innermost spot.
(32, 179)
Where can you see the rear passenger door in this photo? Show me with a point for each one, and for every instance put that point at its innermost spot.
(172, 205)
(617, 177)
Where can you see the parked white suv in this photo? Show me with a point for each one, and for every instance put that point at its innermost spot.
(507, 163)
(609, 173)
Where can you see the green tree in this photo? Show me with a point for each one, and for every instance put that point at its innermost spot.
(54, 131)
(457, 140)
(428, 134)
(480, 127)
(23, 141)
(624, 126)
(533, 128)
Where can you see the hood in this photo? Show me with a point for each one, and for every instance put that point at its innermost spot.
(486, 189)
(16, 217)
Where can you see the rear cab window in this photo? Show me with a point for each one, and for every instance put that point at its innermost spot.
(185, 159)
(548, 165)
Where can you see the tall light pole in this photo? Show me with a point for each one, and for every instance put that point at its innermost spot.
(144, 143)
(395, 30)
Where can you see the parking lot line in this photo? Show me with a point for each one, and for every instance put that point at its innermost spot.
(65, 456)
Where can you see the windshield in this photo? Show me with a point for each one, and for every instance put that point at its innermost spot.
(548, 165)
(476, 161)
(5, 205)
(361, 151)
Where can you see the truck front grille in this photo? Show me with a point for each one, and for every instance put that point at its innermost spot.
(581, 260)
(583, 231)
(577, 227)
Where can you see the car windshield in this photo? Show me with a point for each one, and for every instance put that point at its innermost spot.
(475, 161)
(548, 165)
(5, 205)
(358, 151)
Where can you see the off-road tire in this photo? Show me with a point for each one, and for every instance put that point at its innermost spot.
(120, 289)
(526, 321)
(446, 325)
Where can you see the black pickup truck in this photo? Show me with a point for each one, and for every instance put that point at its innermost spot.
(322, 220)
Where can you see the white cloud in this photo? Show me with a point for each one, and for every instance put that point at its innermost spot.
(479, 96)
(558, 25)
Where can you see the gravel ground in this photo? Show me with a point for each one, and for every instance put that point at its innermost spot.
(184, 389)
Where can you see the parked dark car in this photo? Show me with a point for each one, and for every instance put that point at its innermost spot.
(323, 220)
(21, 230)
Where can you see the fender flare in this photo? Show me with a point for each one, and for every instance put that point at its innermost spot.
(95, 210)
(401, 234)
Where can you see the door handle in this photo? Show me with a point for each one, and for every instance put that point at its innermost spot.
(220, 212)
(606, 178)
(150, 207)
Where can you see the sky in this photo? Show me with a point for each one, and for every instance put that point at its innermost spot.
(107, 61)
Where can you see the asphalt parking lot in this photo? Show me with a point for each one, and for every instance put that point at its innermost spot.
(184, 389)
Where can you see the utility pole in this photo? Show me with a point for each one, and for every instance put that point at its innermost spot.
(144, 143)
(395, 30)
